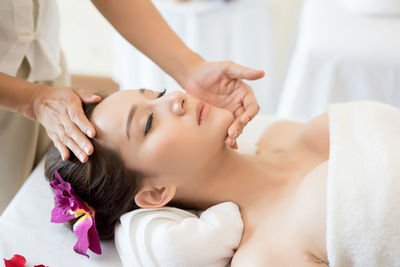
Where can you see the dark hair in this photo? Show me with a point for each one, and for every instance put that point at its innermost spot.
(103, 182)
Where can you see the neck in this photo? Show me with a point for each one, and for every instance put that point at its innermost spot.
(242, 179)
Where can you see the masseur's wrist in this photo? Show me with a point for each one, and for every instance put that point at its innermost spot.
(37, 91)
(187, 63)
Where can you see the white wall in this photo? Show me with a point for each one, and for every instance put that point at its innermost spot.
(86, 38)
(285, 14)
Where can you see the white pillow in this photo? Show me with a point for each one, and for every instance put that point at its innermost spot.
(171, 237)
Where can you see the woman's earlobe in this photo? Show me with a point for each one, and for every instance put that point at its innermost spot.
(154, 197)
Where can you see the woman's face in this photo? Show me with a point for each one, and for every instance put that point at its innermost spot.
(161, 135)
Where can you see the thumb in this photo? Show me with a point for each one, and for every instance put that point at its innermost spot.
(236, 71)
(86, 96)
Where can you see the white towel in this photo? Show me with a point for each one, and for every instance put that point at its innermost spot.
(170, 237)
(363, 208)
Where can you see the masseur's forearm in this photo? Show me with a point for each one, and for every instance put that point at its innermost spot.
(17, 95)
(143, 26)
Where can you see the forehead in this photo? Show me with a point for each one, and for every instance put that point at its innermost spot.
(129, 96)
(123, 99)
(109, 116)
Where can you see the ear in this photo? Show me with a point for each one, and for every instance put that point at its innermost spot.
(154, 197)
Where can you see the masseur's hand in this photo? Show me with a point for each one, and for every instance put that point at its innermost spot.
(220, 84)
(60, 111)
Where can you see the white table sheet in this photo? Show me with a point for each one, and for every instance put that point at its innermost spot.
(25, 226)
(340, 57)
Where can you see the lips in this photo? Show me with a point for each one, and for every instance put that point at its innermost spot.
(202, 110)
(199, 109)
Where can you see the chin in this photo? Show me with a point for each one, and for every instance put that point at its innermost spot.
(228, 118)
(225, 120)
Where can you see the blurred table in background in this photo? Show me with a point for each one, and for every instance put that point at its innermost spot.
(341, 57)
(237, 30)
(99, 85)
(372, 7)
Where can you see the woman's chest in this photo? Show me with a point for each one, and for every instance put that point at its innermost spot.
(294, 235)
(308, 211)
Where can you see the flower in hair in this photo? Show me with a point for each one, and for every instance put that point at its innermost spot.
(69, 206)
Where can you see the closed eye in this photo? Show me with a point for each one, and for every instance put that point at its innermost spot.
(148, 124)
(162, 93)
(150, 119)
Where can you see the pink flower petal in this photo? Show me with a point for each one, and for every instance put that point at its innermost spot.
(70, 206)
(59, 215)
(94, 241)
(16, 261)
(81, 229)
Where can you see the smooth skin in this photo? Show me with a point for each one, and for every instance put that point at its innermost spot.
(59, 110)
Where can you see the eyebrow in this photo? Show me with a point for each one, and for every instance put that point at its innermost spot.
(131, 113)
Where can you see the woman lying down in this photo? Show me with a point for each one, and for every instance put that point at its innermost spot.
(154, 149)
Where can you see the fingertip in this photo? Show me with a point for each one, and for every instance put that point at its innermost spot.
(82, 157)
(88, 148)
(244, 119)
(95, 100)
(235, 145)
(255, 75)
(228, 141)
(96, 97)
(90, 133)
(91, 99)
(235, 134)
(90, 151)
(65, 156)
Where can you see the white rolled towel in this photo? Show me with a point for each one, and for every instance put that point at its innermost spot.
(170, 237)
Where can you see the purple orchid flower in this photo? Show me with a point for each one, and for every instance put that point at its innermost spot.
(69, 206)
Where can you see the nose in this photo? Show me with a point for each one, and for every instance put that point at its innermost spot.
(176, 102)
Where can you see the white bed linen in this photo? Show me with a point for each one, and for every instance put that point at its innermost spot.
(25, 226)
(341, 57)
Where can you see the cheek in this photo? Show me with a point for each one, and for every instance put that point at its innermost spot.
(168, 146)
(180, 146)
(175, 148)
(219, 124)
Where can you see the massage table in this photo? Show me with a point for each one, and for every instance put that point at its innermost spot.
(363, 189)
(341, 56)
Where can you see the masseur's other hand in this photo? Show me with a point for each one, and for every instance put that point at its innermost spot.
(60, 111)
(220, 84)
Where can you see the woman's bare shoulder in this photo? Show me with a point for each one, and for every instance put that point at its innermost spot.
(279, 134)
(315, 135)
(312, 135)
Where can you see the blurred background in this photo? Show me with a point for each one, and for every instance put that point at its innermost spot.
(314, 52)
